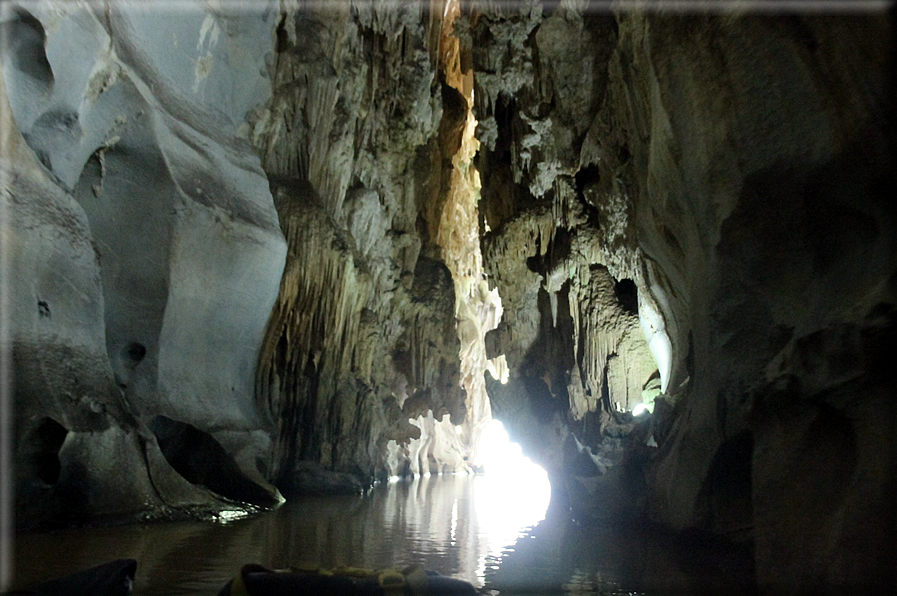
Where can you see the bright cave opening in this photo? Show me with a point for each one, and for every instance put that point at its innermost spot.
(503, 459)
(512, 495)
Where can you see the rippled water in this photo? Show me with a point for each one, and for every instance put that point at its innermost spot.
(488, 532)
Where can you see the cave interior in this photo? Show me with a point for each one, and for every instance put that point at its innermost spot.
(278, 248)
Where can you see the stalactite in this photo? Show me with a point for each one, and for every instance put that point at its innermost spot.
(357, 93)
(314, 332)
(564, 198)
(604, 333)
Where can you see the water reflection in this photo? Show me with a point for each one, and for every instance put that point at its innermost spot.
(458, 525)
(452, 524)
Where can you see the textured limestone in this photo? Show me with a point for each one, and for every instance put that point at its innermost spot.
(359, 138)
(320, 377)
(146, 250)
(736, 167)
(692, 209)
(478, 309)
(559, 246)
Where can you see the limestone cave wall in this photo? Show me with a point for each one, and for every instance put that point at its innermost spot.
(289, 237)
(737, 168)
(357, 142)
(223, 231)
(144, 256)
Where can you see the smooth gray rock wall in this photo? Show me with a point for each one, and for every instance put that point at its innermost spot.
(79, 453)
(158, 291)
(141, 124)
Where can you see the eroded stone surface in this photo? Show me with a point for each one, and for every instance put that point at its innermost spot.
(147, 251)
(363, 338)
(687, 211)
(724, 169)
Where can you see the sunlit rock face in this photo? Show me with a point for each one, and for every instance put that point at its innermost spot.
(360, 369)
(145, 251)
(737, 168)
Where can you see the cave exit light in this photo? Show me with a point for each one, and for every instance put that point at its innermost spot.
(504, 461)
(512, 495)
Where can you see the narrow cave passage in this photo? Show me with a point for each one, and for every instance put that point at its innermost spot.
(362, 257)
(478, 309)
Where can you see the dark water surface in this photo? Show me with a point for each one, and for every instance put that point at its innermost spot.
(489, 532)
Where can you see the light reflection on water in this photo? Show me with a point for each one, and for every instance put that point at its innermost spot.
(460, 526)
(457, 525)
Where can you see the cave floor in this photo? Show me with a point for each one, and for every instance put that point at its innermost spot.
(473, 528)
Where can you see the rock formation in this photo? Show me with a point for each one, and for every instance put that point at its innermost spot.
(145, 255)
(291, 238)
(358, 141)
(738, 169)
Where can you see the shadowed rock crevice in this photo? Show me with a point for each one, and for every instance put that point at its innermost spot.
(43, 450)
(725, 498)
(199, 458)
